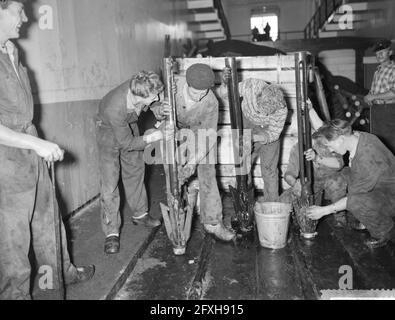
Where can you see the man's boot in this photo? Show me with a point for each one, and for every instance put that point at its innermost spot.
(219, 231)
(374, 243)
(146, 220)
(111, 244)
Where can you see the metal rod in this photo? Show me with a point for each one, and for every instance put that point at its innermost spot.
(236, 118)
(304, 127)
(58, 237)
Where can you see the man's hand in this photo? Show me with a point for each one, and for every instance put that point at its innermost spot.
(226, 74)
(316, 212)
(369, 99)
(297, 188)
(153, 135)
(185, 172)
(49, 151)
(161, 110)
(165, 132)
(310, 155)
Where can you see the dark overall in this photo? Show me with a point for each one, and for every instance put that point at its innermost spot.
(120, 155)
(26, 197)
(371, 185)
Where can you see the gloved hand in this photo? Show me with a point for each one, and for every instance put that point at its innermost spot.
(185, 172)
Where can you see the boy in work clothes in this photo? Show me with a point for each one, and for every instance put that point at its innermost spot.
(197, 109)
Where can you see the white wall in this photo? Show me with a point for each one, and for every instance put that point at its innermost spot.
(96, 44)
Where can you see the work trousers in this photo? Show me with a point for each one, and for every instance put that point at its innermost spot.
(375, 210)
(269, 156)
(27, 218)
(116, 163)
(210, 199)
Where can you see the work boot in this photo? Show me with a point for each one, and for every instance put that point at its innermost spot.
(219, 231)
(377, 243)
(374, 243)
(111, 245)
(83, 274)
(146, 221)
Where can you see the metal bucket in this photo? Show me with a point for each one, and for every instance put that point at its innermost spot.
(272, 220)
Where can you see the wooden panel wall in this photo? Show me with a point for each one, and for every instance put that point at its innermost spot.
(93, 46)
(274, 69)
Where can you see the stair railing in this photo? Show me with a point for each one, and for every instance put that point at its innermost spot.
(319, 18)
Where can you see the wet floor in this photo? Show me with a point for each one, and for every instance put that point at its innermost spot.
(246, 271)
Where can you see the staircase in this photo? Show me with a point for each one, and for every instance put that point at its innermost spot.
(206, 19)
(341, 18)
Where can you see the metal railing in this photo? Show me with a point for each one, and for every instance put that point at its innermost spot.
(222, 17)
(319, 18)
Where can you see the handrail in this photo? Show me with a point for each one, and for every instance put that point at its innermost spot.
(319, 18)
(222, 16)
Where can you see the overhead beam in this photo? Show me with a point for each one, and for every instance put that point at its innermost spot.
(334, 34)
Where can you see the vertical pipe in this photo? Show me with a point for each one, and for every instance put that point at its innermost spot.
(298, 58)
(170, 152)
(236, 119)
(304, 128)
(58, 237)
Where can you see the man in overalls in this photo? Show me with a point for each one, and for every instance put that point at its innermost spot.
(26, 197)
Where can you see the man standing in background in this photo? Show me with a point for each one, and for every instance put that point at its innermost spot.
(381, 97)
(26, 197)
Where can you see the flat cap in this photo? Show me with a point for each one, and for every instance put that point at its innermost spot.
(382, 44)
(200, 76)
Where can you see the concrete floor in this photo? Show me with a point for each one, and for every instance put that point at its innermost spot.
(146, 268)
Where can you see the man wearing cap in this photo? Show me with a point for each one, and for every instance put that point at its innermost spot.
(197, 109)
(381, 96)
(121, 148)
(264, 112)
(383, 85)
(26, 198)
